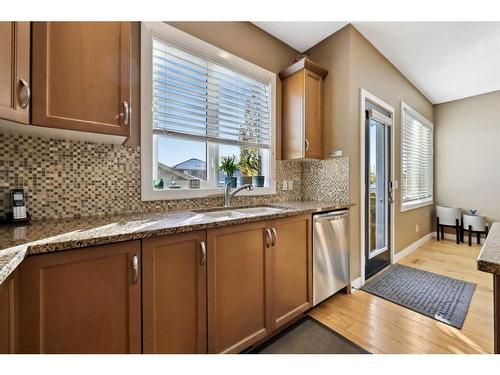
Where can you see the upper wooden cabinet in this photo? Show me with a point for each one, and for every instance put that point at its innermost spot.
(82, 301)
(302, 129)
(15, 71)
(175, 293)
(81, 75)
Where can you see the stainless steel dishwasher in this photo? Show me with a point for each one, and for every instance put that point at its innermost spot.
(330, 254)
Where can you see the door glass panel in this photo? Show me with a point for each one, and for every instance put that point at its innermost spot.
(377, 184)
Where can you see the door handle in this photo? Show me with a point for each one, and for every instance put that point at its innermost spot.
(126, 113)
(274, 237)
(135, 269)
(203, 249)
(25, 88)
(307, 144)
(268, 238)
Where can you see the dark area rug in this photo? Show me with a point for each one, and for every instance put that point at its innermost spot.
(440, 297)
(308, 337)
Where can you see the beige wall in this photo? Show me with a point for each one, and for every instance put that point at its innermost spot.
(247, 41)
(354, 63)
(467, 154)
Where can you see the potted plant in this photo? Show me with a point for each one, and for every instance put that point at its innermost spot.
(258, 180)
(249, 163)
(229, 165)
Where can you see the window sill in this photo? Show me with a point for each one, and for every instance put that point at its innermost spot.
(416, 204)
(175, 194)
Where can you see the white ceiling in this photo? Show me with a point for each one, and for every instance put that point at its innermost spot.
(444, 60)
(301, 35)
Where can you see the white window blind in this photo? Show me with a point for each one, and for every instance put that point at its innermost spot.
(416, 158)
(194, 98)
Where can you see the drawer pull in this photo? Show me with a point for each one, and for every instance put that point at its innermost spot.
(126, 113)
(203, 248)
(268, 238)
(24, 94)
(135, 269)
(274, 237)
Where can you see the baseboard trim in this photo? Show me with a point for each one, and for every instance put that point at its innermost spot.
(356, 283)
(453, 237)
(414, 246)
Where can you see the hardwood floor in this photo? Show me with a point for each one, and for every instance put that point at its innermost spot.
(380, 326)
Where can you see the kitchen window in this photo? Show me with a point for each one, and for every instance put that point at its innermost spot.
(201, 106)
(417, 173)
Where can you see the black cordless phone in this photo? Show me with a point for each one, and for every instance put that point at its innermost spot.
(19, 211)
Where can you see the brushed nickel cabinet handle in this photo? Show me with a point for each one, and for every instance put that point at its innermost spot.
(203, 249)
(307, 145)
(274, 237)
(126, 113)
(24, 94)
(135, 269)
(268, 238)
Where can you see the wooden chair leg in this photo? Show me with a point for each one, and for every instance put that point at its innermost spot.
(470, 235)
(478, 238)
(457, 229)
(442, 232)
(462, 230)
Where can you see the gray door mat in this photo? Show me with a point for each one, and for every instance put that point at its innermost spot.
(308, 336)
(440, 297)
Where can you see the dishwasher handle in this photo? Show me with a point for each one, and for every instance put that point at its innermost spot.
(333, 215)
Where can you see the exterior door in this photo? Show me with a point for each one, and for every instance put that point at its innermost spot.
(378, 189)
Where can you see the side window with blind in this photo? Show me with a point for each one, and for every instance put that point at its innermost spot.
(416, 159)
(204, 110)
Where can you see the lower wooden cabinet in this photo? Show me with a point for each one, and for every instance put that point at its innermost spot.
(239, 301)
(259, 279)
(174, 293)
(219, 290)
(82, 301)
(292, 268)
(9, 314)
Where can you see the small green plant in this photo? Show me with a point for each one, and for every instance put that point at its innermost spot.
(249, 162)
(228, 165)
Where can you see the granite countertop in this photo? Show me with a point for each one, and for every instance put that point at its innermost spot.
(489, 258)
(43, 236)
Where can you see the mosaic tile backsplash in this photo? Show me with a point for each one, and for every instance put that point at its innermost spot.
(75, 179)
(326, 180)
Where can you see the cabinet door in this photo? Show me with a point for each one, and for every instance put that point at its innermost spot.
(313, 123)
(239, 298)
(14, 71)
(293, 116)
(9, 314)
(292, 252)
(82, 301)
(174, 294)
(81, 76)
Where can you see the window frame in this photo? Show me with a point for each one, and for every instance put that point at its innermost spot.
(203, 49)
(425, 122)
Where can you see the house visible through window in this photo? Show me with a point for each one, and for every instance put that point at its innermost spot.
(416, 159)
(205, 110)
